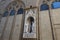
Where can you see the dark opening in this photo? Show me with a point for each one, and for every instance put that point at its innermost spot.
(20, 11)
(44, 7)
(5, 14)
(12, 12)
(31, 21)
(30, 6)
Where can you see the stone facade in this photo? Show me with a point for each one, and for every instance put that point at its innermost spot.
(30, 23)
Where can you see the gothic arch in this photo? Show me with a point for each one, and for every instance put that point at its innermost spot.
(14, 6)
(30, 23)
(44, 7)
(20, 2)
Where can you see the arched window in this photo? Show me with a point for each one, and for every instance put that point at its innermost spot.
(44, 7)
(55, 5)
(20, 11)
(12, 12)
(12, 8)
(5, 14)
(30, 24)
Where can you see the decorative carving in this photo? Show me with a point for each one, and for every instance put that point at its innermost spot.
(30, 24)
(14, 3)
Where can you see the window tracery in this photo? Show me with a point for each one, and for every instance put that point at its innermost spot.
(14, 7)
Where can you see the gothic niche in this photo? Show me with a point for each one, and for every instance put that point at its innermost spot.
(30, 24)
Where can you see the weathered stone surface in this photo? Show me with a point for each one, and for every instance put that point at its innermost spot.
(17, 28)
(56, 16)
(29, 35)
(45, 27)
(7, 30)
(2, 24)
(57, 32)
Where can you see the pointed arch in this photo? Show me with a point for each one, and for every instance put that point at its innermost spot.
(44, 7)
(30, 23)
(15, 1)
(14, 6)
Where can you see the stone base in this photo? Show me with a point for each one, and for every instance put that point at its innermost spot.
(29, 39)
(29, 35)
